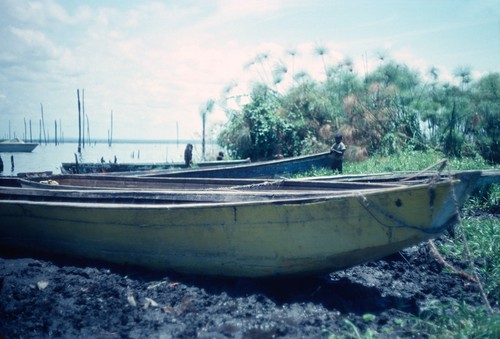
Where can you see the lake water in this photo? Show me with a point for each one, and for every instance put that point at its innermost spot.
(49, 157)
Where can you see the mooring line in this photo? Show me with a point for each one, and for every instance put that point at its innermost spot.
(467, 250)
(400, 223)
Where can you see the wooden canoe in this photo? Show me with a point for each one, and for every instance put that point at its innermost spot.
(262, 169)
(485, 178)
(91, 182)
(292, 235)
(96, 167)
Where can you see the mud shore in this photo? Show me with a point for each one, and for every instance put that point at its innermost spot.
(57, 298)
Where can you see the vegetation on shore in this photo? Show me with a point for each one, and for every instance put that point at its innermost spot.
(384, 111)
(479, 228)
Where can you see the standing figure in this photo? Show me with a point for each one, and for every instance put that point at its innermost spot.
(220, 156)
(188, 155)
(337, 149)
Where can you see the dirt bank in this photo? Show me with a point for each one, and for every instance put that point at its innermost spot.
(54, 298)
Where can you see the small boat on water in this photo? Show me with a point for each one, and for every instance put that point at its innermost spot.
(16, 145)
(230, 232)
(262, 169)
(95, 167)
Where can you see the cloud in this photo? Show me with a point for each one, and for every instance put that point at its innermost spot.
(154, 63)
(37, 13)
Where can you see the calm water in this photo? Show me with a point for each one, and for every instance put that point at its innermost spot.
(50, 157)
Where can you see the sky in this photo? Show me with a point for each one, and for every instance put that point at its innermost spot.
(153, 65)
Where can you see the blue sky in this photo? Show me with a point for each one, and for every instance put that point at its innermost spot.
(155, 63)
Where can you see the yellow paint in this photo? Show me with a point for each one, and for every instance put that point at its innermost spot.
(248, 239)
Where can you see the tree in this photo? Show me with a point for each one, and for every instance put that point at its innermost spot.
(205, 109)
(486, 118)
(381, 116)
(390, 109)
(257, 130)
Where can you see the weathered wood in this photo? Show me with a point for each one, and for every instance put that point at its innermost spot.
(86, 168)
(264, 169)
(79, 123)
(260, 237)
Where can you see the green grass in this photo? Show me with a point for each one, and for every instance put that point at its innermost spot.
(482, 231)
(403, 162)
(452, 320)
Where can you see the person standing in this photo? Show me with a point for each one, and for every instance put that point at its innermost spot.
(188, 155)
(338, 149)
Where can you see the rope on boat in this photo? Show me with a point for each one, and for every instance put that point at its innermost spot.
(443, 262)
(399, 223)
(432, 191)
(433, 180)
(475, 277)
(249, 186)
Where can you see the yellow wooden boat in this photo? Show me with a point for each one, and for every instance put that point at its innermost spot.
(254, 238)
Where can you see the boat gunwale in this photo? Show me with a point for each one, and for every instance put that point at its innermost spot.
(299, 200)
(212, 184)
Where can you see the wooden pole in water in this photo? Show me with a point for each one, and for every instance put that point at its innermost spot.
(83, 117)
(43, 125)
(88, 129)
(76, 164)
(79, 123)
(55, 134)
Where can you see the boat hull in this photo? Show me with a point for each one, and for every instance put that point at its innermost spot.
(247, 239)
(265, 169)
(6, 147)
(91, 168)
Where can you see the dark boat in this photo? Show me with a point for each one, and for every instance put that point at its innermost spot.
(263, 169)
(96, 167)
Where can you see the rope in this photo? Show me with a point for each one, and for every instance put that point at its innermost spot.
(249, 186)
(443, 262)
(443, 163)
(468, 253)
(399, 223)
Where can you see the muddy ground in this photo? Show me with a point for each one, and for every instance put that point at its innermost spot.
(51, 297)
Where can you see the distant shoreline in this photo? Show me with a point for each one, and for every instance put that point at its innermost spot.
(137, 141)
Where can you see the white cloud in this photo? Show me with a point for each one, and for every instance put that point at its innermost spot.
(154, 63)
